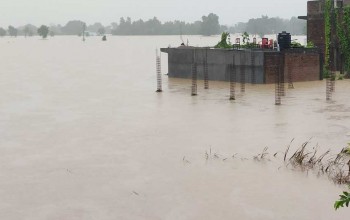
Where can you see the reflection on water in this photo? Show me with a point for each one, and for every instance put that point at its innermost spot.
(84, 136)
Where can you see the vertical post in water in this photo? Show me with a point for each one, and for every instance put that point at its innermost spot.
(159, 72)
(205, 70)
(232, 73)
(290, 74)
(84, 29)
(242, 70)
(333, 75)
(281, 72)
(328, 89)
(252, 59)
(194, 74)
(277, 71)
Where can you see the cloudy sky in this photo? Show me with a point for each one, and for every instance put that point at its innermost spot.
(37, 12)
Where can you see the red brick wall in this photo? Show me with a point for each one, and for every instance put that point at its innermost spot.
(303, 66)
(315, 24)
(270, 61)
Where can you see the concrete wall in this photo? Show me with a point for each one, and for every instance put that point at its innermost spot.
(304, 64)
(180, 62)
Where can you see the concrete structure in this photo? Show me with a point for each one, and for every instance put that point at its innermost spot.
(302, 64)
(181, 59)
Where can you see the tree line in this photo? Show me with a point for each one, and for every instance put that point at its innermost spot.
(265, 25)
(208, 25)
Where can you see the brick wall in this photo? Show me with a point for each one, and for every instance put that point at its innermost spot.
(270, 61)
(315, 24)
(303, 65)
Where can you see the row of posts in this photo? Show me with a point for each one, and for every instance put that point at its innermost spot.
(230, 69)
(277, 68)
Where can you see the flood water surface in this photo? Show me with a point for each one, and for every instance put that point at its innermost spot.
(83, 135)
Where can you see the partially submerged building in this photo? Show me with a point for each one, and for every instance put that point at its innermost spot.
(256, 65)
(316, 30)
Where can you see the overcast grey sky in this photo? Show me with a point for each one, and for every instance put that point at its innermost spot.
(37, 12)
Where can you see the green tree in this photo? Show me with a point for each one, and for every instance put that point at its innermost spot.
(74, 28)
(155, 27)
(225, 41)
(12, 31)
(2, 32)
(210, 25)
(43, 31)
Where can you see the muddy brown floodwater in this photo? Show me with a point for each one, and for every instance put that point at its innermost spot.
(83, 135)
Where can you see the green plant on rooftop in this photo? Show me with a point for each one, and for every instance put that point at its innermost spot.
(225, 42)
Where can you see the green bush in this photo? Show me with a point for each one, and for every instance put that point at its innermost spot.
(225, 42)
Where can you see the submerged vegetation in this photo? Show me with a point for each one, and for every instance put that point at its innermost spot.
(334, 166)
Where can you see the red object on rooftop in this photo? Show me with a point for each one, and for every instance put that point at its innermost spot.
(265, 43)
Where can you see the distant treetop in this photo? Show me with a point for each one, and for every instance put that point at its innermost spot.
(43, 31)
